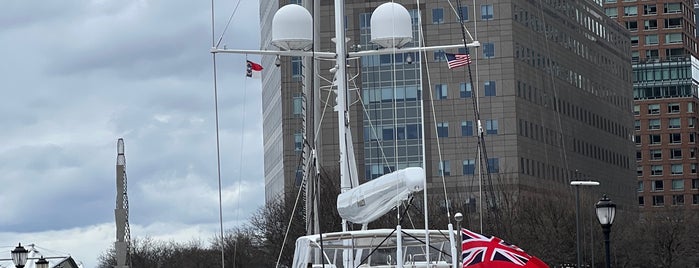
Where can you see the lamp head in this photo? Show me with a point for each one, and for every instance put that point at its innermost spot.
(19, 256)
(606, 210)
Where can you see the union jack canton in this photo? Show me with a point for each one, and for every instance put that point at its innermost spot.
(479, 250)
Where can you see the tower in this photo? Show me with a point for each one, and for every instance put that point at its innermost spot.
(121, 212)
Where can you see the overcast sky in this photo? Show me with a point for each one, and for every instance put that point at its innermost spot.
(78, 74)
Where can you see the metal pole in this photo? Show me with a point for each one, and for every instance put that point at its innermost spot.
(606, 230)
(577, 224)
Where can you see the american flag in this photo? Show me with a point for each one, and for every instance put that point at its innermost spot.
(481, 251)
(457, 60)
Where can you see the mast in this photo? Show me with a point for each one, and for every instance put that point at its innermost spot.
(121, 212)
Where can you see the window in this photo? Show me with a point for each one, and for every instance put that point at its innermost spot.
(658, 201)
(650, 9)
(298, 105)
(296, 67)
(690, 107)
(693, 168)
(636, 109)
(469, 167)
(656, 154)
(656, 170)
(486, 12)
(650, 25)
(641, 201)
(489, 88)
(639, 171)
(443, 129)
(672, 8)
(691, 138)
(695, 184)
(692, 153)
(437, 15)
(651, 39)
(630, 11)
(439, 55)
(365, 21)
(491, 126)
(637, 124)
(463, 13)
(611, 12)
(690, 122)
(676, 169)
(465, 90)
(466, 128)
(640, 186)
(637, 139)
(639, 156)
(654, 139)
(657, 185)
(298, 142)
(673, 123)
(673, 38)
(493, 165)
(634, 41)
(675, 138)
(387, 133)
(444, 168)
(695, 199)
(652, 53)
(678, 184)
(654, 124)
(671, 23)
(677, 199)
(488, 50)
(440, 91)
(632, 25)
(653, 108)
(675, 153)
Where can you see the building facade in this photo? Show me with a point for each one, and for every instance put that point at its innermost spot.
(552, 80)
(665, 75)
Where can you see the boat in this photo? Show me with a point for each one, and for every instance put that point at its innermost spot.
(391, 29)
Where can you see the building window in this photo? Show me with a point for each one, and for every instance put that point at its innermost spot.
(490, 89)
(651, 25)
(675, 138)
(440, 91)
(491, 126)
(672, 8)
(641, 201)
(639, 171)
(296, 67)
(437, 15)
(656, 170)
(673, 123)
(691, 138)
(640, 186)
(637, 124)
(465, 90)
(656, 154)
(657, 185)
(671, 23)
(653, 124)
(439, 55)
(637, 139)
(658, 201)
(632, 25)
(695, 199)
(677, 199)
(466, 128)
(654, 139)
(675, 153)
(692, 153)
(651, 39)
(690, 107)
(298, 105)
(387, 133)
(693, 168)
(493, 165)
(444, 168)
(676, 169)
(639, 156)
(673, 38)
(636, 109)
(463, 13)
(486, 12)
(469, 167)
(488, 50)
(298, 142)
(653, 108)
(443, 129)
(630, 11)
(611, 12)
(695, 184)
(650, 9)
(677, 184)
(691, 121)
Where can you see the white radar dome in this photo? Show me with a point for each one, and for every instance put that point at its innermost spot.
(391, 26)
(292, 28)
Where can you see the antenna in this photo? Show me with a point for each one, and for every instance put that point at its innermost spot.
(121, 212)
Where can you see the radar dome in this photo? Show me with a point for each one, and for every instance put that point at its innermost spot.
(391, 26)
(292, 28)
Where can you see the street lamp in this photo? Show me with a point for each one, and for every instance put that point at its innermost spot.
(577, 185)
(19, 256)
(42, 263)
(606, 210)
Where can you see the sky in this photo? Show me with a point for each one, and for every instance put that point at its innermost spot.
(76, 75)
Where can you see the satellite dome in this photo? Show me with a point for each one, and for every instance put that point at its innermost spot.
(391, 25)
(292, 28)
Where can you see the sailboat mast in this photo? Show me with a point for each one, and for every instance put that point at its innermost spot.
(341, 107)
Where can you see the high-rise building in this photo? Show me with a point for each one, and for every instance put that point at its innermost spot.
(552, 80)
(665, 76)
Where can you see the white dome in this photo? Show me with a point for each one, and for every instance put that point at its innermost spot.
(391, 25)
(292, 28)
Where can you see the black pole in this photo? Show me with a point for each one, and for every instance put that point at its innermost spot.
(577, 224)
(606, 229)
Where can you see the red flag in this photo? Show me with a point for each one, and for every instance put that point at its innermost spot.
(251, 66)
(480, 251)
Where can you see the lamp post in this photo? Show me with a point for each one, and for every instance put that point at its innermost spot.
(577, 185)
(19, 256)
(606, 210)
(459, 217)
(42, 263)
